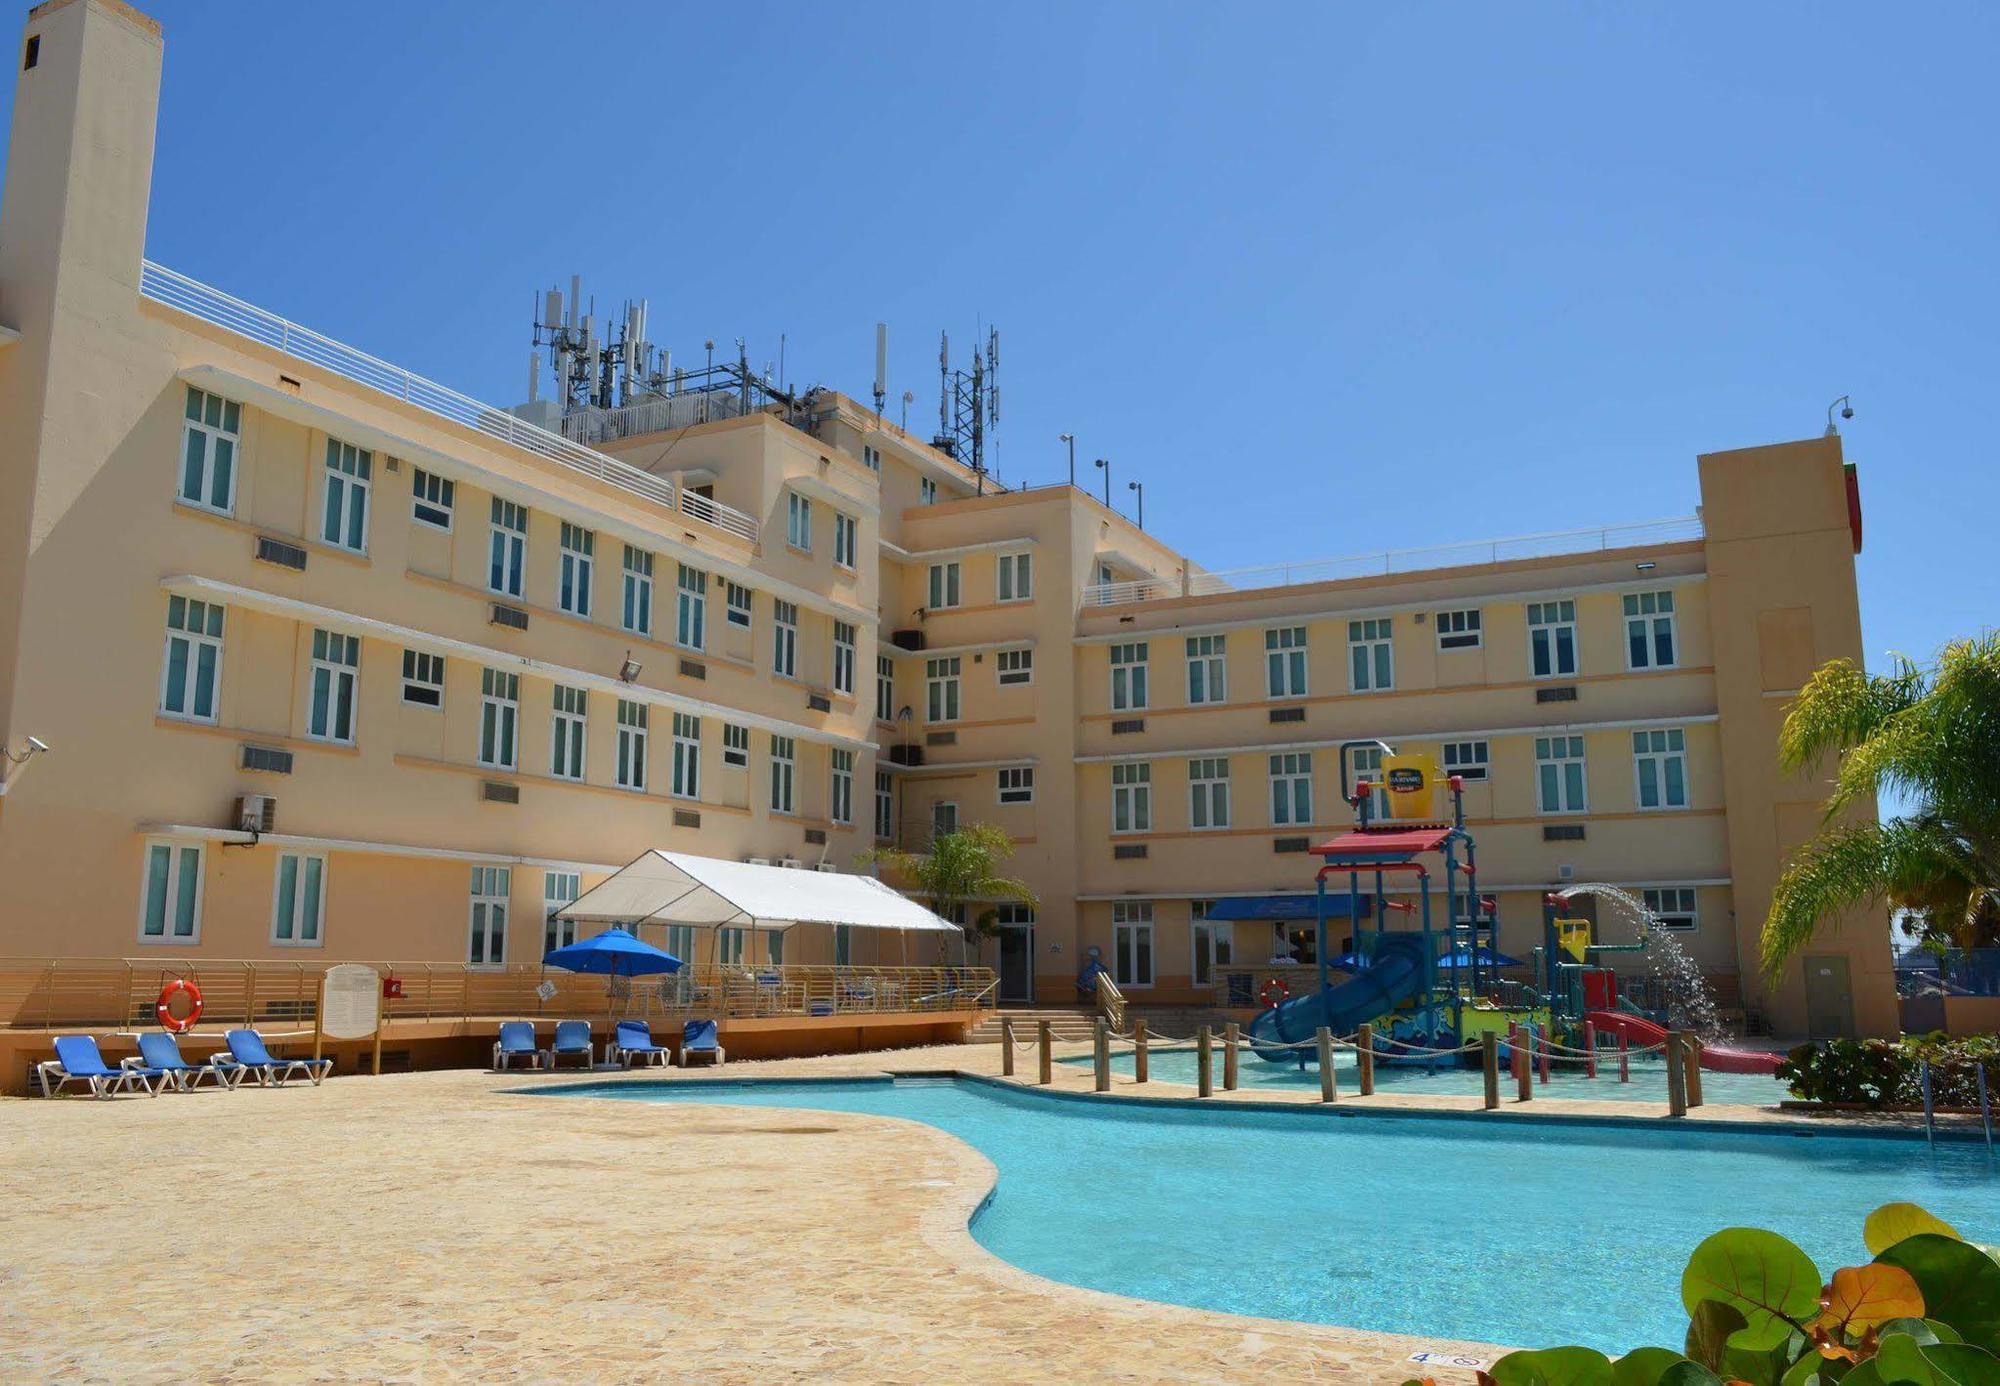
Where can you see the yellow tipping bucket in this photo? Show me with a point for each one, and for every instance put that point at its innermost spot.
(1412, 782)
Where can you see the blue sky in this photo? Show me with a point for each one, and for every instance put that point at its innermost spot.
(1327, 279)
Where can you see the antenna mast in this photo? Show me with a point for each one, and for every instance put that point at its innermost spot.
(969, 405)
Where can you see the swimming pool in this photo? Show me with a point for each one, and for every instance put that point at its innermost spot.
(1514, 1232)
(1649, 1078)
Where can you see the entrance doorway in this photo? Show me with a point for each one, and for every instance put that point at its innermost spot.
(1016, 925)
(1829, 998)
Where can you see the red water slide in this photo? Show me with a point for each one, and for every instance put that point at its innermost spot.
(1714, 1058)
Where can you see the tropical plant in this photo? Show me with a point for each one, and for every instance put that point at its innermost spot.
(1924, 1312)
(1932, 735)
(1887, 1073)
(962, 868)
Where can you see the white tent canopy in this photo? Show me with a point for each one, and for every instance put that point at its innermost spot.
(676, 888)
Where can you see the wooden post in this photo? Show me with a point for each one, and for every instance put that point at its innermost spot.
(1677, 1100)
(1524, 1077)
(1100, 1052)
(1589, 1049)
(1365, 1039)
(1624, 1057)
(1204, 1073)
(1694, 1070)
(1006, 1046)
(1047, 1074)
(1229, 1057)
(375, 1064)
(1489, 1063)
(1139, 1063)
(1542, 1052)
(1329, 1085)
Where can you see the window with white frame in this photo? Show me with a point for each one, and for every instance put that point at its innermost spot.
(840, 785)
(1673, 906)
(423, 679)
(944, 818)
(927, 491)
(1131, 797)
(1213, 942)
(578, 558)
(941, 689)
(431, 498)
(1128, 677)
(1014, 666)
(729, 947)
(499, 718)
(1649, 630)
(336, 670)
(843, 658)
(885, 805)
(1560, 782)
(1015, 579)
(1371, 659)
(691, 608)
(349, 478)
(210, 438)
(1552, 639)
(170, 894)
(846, 536)
(635, 611)
(1285, 662)
(1467, 759)
(567, 728)
(507, 548)
(798, 521)
(486, 939)
(1459, 630)
(735, 745)
(1207, 677)
(885, 688)
(1659, 759)
(298, 900)
(631, 770)
(871, 457)
(191, 669)
(1291, 788)
(680, 941)
(944, 588)
(737, 608)
(784, 774)
(1364, 763)
(687, 757)
(1132, 943)
(785, 638)
(1017, 784)
(560, 889)
(1208, 793)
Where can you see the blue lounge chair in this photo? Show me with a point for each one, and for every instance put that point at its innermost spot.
(161, 1052)
(77, 1061)
(572, 1041)
(698, 1037)
(517, 1041)
(247, 1048)
(633, 1039)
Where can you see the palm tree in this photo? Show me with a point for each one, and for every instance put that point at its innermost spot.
(1931, 735)
(961, 868)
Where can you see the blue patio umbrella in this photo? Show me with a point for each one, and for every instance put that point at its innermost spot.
(1463, 957)
(613, 953)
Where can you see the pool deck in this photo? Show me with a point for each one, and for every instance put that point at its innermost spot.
(449, 1226)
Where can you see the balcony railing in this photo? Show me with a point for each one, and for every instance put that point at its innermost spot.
(212, 305)
(1558, 543)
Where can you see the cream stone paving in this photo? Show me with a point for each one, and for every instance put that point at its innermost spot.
(458, 1227)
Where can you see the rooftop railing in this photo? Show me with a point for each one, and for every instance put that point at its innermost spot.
(1557, 543)
(212, 305)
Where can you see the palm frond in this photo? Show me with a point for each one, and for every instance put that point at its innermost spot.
(1850, 867)
(1842, 706)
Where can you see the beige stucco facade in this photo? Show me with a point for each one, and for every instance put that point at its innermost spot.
(417, 726)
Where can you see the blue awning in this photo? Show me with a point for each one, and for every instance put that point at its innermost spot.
(1276, 907)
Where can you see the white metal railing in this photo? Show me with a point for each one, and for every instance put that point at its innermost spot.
(652, 416)
(212, 305)
(1554, 544)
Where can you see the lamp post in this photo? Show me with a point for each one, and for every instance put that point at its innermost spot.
(1070, 438)
(1140, 487)
(1105, 464)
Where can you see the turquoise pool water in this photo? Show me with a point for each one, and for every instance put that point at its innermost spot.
(1649, 1078)
(1509, 1232)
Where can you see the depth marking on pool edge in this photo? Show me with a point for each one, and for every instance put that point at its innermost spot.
(1447, 1359)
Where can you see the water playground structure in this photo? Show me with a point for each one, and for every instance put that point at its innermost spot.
(1430, 991)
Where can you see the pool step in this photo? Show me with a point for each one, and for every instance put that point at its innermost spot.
(1066, 1023)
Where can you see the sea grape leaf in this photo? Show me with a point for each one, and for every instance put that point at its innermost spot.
(1763, 1366)
(1892, 1222)
(1643, 1366)
(1863, 1297)
(1959, 1282)
(1686, 1373)
(1562, 1366)
(1906, 1362)
(1709, 1326)
(1773, 1284)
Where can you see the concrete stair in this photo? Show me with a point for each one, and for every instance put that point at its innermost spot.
(1066, 1023)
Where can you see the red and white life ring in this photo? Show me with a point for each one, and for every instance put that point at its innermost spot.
(1274, 991)
(163, 1008)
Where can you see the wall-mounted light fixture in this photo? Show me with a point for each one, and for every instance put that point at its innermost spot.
(629, 670)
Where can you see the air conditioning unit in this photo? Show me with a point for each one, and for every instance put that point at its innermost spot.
(792, 863)
(825, 866)
(1565, 873)
(257, 813)
(757, 861)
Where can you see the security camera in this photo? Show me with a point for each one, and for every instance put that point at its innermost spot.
(35, 743)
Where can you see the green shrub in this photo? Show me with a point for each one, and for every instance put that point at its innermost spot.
(1885, 1073)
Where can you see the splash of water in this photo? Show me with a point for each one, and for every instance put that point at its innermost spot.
(1679, 977)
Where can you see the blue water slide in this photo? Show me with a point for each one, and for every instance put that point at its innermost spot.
(1395, 975)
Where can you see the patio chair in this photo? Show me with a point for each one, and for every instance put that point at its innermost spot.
(247, 1048)
(516, 1041)
(77, 1061)
(572, 1041)
(633, 1039)
(698, 1037)
(161, 1053)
